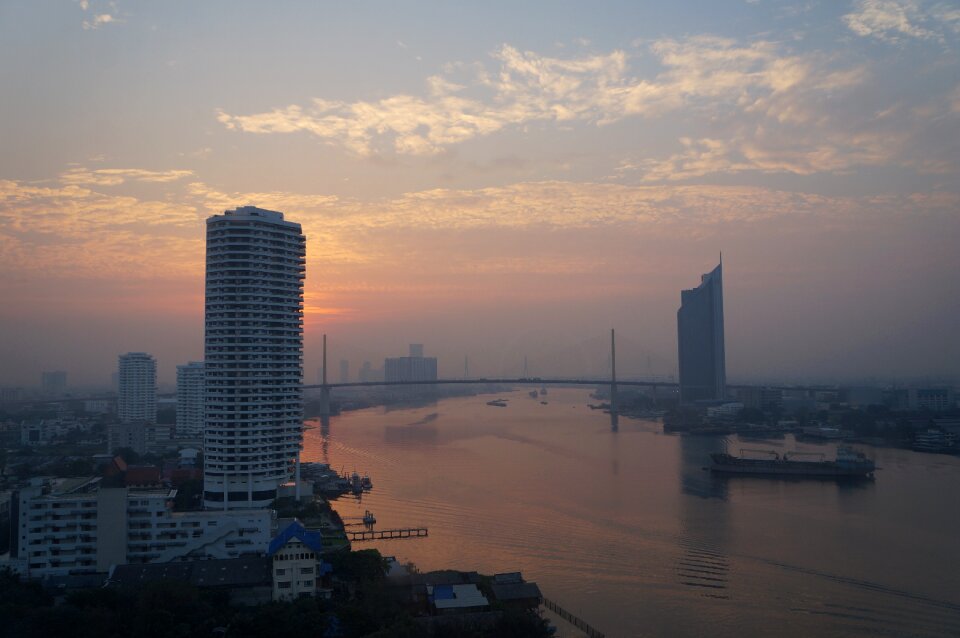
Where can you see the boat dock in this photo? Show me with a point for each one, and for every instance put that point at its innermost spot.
(577, 622)
(386, 534)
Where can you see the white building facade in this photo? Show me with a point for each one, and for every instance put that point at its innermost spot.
(76, 526)
(137, 391)
(253, 357)
(190, 400)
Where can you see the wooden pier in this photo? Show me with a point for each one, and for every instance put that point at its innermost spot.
(386, 534)
(579, 623)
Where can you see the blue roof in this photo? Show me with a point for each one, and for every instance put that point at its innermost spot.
(442, 592)
(298, 531)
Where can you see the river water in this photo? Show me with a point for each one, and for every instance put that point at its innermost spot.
(625, 529)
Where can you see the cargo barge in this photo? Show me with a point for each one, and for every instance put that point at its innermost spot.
(848, 464)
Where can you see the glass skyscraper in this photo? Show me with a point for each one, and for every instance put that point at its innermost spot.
(703, 375)
(253, 356)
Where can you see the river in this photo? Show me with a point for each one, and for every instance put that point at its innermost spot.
(624, 527)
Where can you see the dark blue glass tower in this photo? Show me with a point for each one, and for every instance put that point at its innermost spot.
(703, 375)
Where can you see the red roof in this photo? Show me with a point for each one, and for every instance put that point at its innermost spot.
(181, 475)
(142, 475)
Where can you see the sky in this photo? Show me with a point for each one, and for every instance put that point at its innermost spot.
(495, 180)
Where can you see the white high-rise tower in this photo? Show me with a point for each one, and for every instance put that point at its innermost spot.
(190, 400)
(137, 388)
(253, 356)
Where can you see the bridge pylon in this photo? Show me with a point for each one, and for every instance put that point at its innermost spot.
(614, 403)
(324, 387)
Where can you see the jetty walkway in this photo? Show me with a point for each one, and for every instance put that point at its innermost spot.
(577, 622)
(386, 534)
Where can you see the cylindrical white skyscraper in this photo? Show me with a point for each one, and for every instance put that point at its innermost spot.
(253, 356)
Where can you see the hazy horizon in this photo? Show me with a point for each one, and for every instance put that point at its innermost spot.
(493, 181)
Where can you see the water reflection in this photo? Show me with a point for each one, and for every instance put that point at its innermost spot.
(325, 438)
(405, 434)
(411, 404)
(703, 564)
(695, 479)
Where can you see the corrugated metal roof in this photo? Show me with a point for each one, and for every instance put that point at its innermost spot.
(463, 596)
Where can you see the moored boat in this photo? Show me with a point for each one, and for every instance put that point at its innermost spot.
(848, 464)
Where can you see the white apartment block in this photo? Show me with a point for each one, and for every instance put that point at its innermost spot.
(190, 400)
(253, 357)
(137, 398)
(74, 526)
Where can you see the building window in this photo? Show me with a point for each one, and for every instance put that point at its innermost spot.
(281, 572)
(306, 570)
(283, 585)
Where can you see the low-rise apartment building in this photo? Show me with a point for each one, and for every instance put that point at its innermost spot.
(80, 525)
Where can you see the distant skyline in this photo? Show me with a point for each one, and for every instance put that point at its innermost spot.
(490, 179)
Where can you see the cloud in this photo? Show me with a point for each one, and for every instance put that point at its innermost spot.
(71, 248)
(117, 176)
(707, 156)
(74, 232)
(703, 72)
(100, 17)
(895, 21)
(99, 20)
(752, 105)
(550, 206)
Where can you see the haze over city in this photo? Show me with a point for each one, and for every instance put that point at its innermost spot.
(494, 181)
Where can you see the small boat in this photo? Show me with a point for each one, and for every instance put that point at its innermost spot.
(366, 483)
(369, 518)
(543, 403)
(534, 394)
(499, 403)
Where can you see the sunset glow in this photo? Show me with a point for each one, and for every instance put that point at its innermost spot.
(468, 185)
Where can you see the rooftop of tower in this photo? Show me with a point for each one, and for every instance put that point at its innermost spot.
(255, 213)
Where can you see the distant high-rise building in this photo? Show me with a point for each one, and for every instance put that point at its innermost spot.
(365, 373)
(53, 384)
(416, 367)
(190, 400)
(137, 378)
(253, 356)
(344, 371)
(703, 373)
